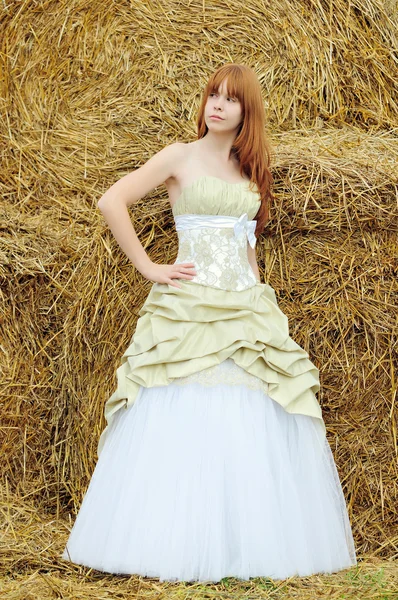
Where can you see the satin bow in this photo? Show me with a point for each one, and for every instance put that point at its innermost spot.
(243, 226)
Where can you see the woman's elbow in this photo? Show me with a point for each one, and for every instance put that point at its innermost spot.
(101, 203)
(104, 202)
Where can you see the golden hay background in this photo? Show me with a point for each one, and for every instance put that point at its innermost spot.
(89, 91)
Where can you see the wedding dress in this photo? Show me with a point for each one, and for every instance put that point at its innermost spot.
(214, 461)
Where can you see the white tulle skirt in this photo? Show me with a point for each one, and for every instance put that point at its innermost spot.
(201, 480)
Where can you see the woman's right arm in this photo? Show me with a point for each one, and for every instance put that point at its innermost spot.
(128, 190)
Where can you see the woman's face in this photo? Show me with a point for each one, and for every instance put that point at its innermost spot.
(227, 108)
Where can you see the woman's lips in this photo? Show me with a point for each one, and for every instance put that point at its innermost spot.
(216, 118)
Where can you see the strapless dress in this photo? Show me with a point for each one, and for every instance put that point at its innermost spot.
(214, 461)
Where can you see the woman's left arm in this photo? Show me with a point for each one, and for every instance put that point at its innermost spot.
(251, 255)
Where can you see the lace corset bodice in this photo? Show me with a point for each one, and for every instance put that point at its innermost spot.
(216, 245)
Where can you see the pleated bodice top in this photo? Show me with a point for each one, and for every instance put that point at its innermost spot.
(216, 245)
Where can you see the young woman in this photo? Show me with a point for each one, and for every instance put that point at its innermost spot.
(214, 461)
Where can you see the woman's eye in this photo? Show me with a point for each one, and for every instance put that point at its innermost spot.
(228, 97)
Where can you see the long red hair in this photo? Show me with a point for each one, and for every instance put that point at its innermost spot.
(251, 146)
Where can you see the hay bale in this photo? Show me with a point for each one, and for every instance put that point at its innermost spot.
(330, 252)
(117, 86)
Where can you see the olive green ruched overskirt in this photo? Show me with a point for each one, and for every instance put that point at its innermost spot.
(181, 331)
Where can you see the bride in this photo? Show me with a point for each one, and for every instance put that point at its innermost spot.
(214, 461)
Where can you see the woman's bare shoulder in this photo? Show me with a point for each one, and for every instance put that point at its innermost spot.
(182, 146)
(178, 153)
(181, 153)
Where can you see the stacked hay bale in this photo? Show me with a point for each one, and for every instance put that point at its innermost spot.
(119, 84)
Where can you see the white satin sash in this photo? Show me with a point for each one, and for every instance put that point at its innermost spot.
(241, 225)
